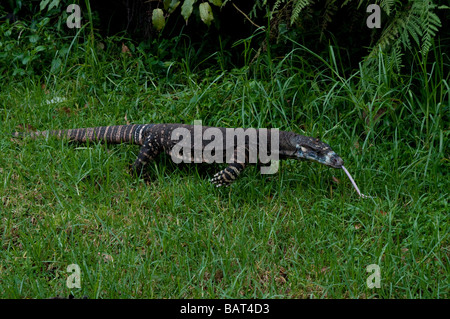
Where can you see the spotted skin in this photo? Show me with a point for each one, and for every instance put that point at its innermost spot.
(162, 138)
(228, 175)
(109, 134)
(148, 152)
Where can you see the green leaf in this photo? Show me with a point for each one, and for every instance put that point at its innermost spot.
(206, 13)
(19, 71)
(53, 4)
(171, 5)
(186, 8)
(39, 48)
(34, 38)
(26, 59)
(217, 3)
(56, 64)
(43, 4)
(167, 4)
(158, 19)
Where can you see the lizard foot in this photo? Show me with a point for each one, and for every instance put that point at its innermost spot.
(220, 179)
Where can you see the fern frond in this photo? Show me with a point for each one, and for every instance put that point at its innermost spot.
(277, 4)
(330, 10)
(431, 23)
(416, 20)
(298, 6)
(388, 6)
(259, 4)
(394, 61)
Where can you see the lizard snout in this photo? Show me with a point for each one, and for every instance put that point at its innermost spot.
(335, 160)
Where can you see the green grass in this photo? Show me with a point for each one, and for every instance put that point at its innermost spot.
(301, 233)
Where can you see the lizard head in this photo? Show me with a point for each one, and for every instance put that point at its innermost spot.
(313, 149)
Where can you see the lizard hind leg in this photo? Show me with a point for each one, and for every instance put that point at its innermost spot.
(146, 154)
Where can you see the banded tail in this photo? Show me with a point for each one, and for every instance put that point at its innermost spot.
(134, 133)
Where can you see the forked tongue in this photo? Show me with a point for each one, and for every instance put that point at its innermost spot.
(354, 184)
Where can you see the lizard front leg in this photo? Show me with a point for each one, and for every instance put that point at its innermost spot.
(228, 175)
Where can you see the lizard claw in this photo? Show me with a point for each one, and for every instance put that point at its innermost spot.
(219, 180)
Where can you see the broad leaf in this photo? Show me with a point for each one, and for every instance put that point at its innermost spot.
(217, 3)
(206, 13)
(171, 5)
(158, 19)
(51, 5)
(186, 8)
(43, 4)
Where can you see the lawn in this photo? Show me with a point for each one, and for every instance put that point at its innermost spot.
(300, 233)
